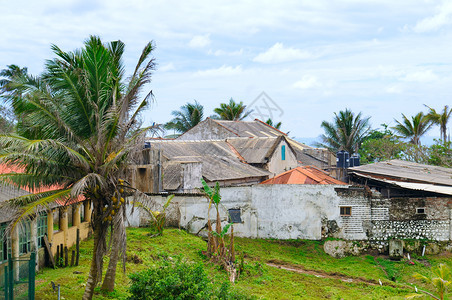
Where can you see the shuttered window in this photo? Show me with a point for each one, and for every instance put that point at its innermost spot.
(283, 152)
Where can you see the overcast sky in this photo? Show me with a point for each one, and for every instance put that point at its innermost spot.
(311, 58)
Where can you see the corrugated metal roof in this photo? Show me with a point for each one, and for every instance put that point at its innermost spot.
(219, 161)
(303, 175)
(440, 189)
(255, 150)
(254, 128)
(406, 171)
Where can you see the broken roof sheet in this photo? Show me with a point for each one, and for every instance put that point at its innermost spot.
(399, 170)
(303, 175)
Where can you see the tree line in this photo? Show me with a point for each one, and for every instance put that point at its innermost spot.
(352, 132)
(191, 114)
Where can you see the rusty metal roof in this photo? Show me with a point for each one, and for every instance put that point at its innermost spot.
(219, 160)
(254, 128)
(399, 170)
(255, 150)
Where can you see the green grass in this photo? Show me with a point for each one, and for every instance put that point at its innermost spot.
(259, 279)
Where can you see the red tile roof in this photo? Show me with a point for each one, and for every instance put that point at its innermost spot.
(12, 169)
(303, 175)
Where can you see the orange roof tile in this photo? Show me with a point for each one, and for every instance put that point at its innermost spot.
(13, 169)
(303, 175)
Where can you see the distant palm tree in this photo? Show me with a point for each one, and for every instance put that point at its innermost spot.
(232, 111)
(187, 117)
(440, 119)
(9, 74)
(413, 129)
(276, 125)
(346, 132)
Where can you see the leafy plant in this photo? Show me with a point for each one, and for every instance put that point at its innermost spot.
(441, 278)
(180, 280)
(158, 218)
(216, 248)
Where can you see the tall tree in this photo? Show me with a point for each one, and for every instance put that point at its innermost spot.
(187, 117)
(232, 111)
(346, 132)
(441, 119)
(413, 129)
(82, 132)
(276, 125)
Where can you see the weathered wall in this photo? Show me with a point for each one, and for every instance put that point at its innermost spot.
(276, 165)
(313, 212)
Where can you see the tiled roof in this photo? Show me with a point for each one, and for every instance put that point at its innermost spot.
(303, 175)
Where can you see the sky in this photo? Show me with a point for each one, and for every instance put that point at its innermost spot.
(296, 61)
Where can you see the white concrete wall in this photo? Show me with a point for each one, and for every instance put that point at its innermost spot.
(267, 211)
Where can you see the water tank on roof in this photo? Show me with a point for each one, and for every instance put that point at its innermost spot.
(354, 160)
(342, 159)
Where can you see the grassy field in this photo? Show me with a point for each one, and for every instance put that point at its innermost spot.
(273, 269)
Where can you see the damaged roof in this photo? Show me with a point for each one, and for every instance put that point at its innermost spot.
(255, 150)
(219, 161)
(399, 170)
(303, 175)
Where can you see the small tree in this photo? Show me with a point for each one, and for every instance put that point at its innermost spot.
(216, 247)
(158, 218)
(441, 278)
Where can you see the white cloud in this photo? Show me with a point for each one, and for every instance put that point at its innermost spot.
(307, 82)
(278, 53)
(199, 41)
(435, 22)
(226, 53)
(420, 76)
(394, 89)
(168, 67)
(221, 71)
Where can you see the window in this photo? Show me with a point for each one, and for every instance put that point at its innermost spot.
(346, 210)
(42, 229)
(235, 216)
(283, 152)
(420, 210)
(24, 237)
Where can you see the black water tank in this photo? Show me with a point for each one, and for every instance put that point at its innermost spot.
(354, 160)
(147, 145)
(342, 158)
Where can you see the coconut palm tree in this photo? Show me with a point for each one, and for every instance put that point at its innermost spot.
(187, 117)
(276, 125)
(440, 119)
(8, 75)
(232, 111)
(413, 129)
(346, 132)
(78, 131)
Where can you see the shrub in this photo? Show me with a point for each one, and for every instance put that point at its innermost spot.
(179, 280)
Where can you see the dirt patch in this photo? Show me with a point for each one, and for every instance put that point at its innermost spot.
(321, 274)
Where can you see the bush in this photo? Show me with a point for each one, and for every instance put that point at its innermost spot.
(180, 280)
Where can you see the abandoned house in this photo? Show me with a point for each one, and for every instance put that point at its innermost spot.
(402, 200)
(180, 164)
(222, 129)
(59, 222)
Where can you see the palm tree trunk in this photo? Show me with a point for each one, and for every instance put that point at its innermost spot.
(93, 277)
(110, 275)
